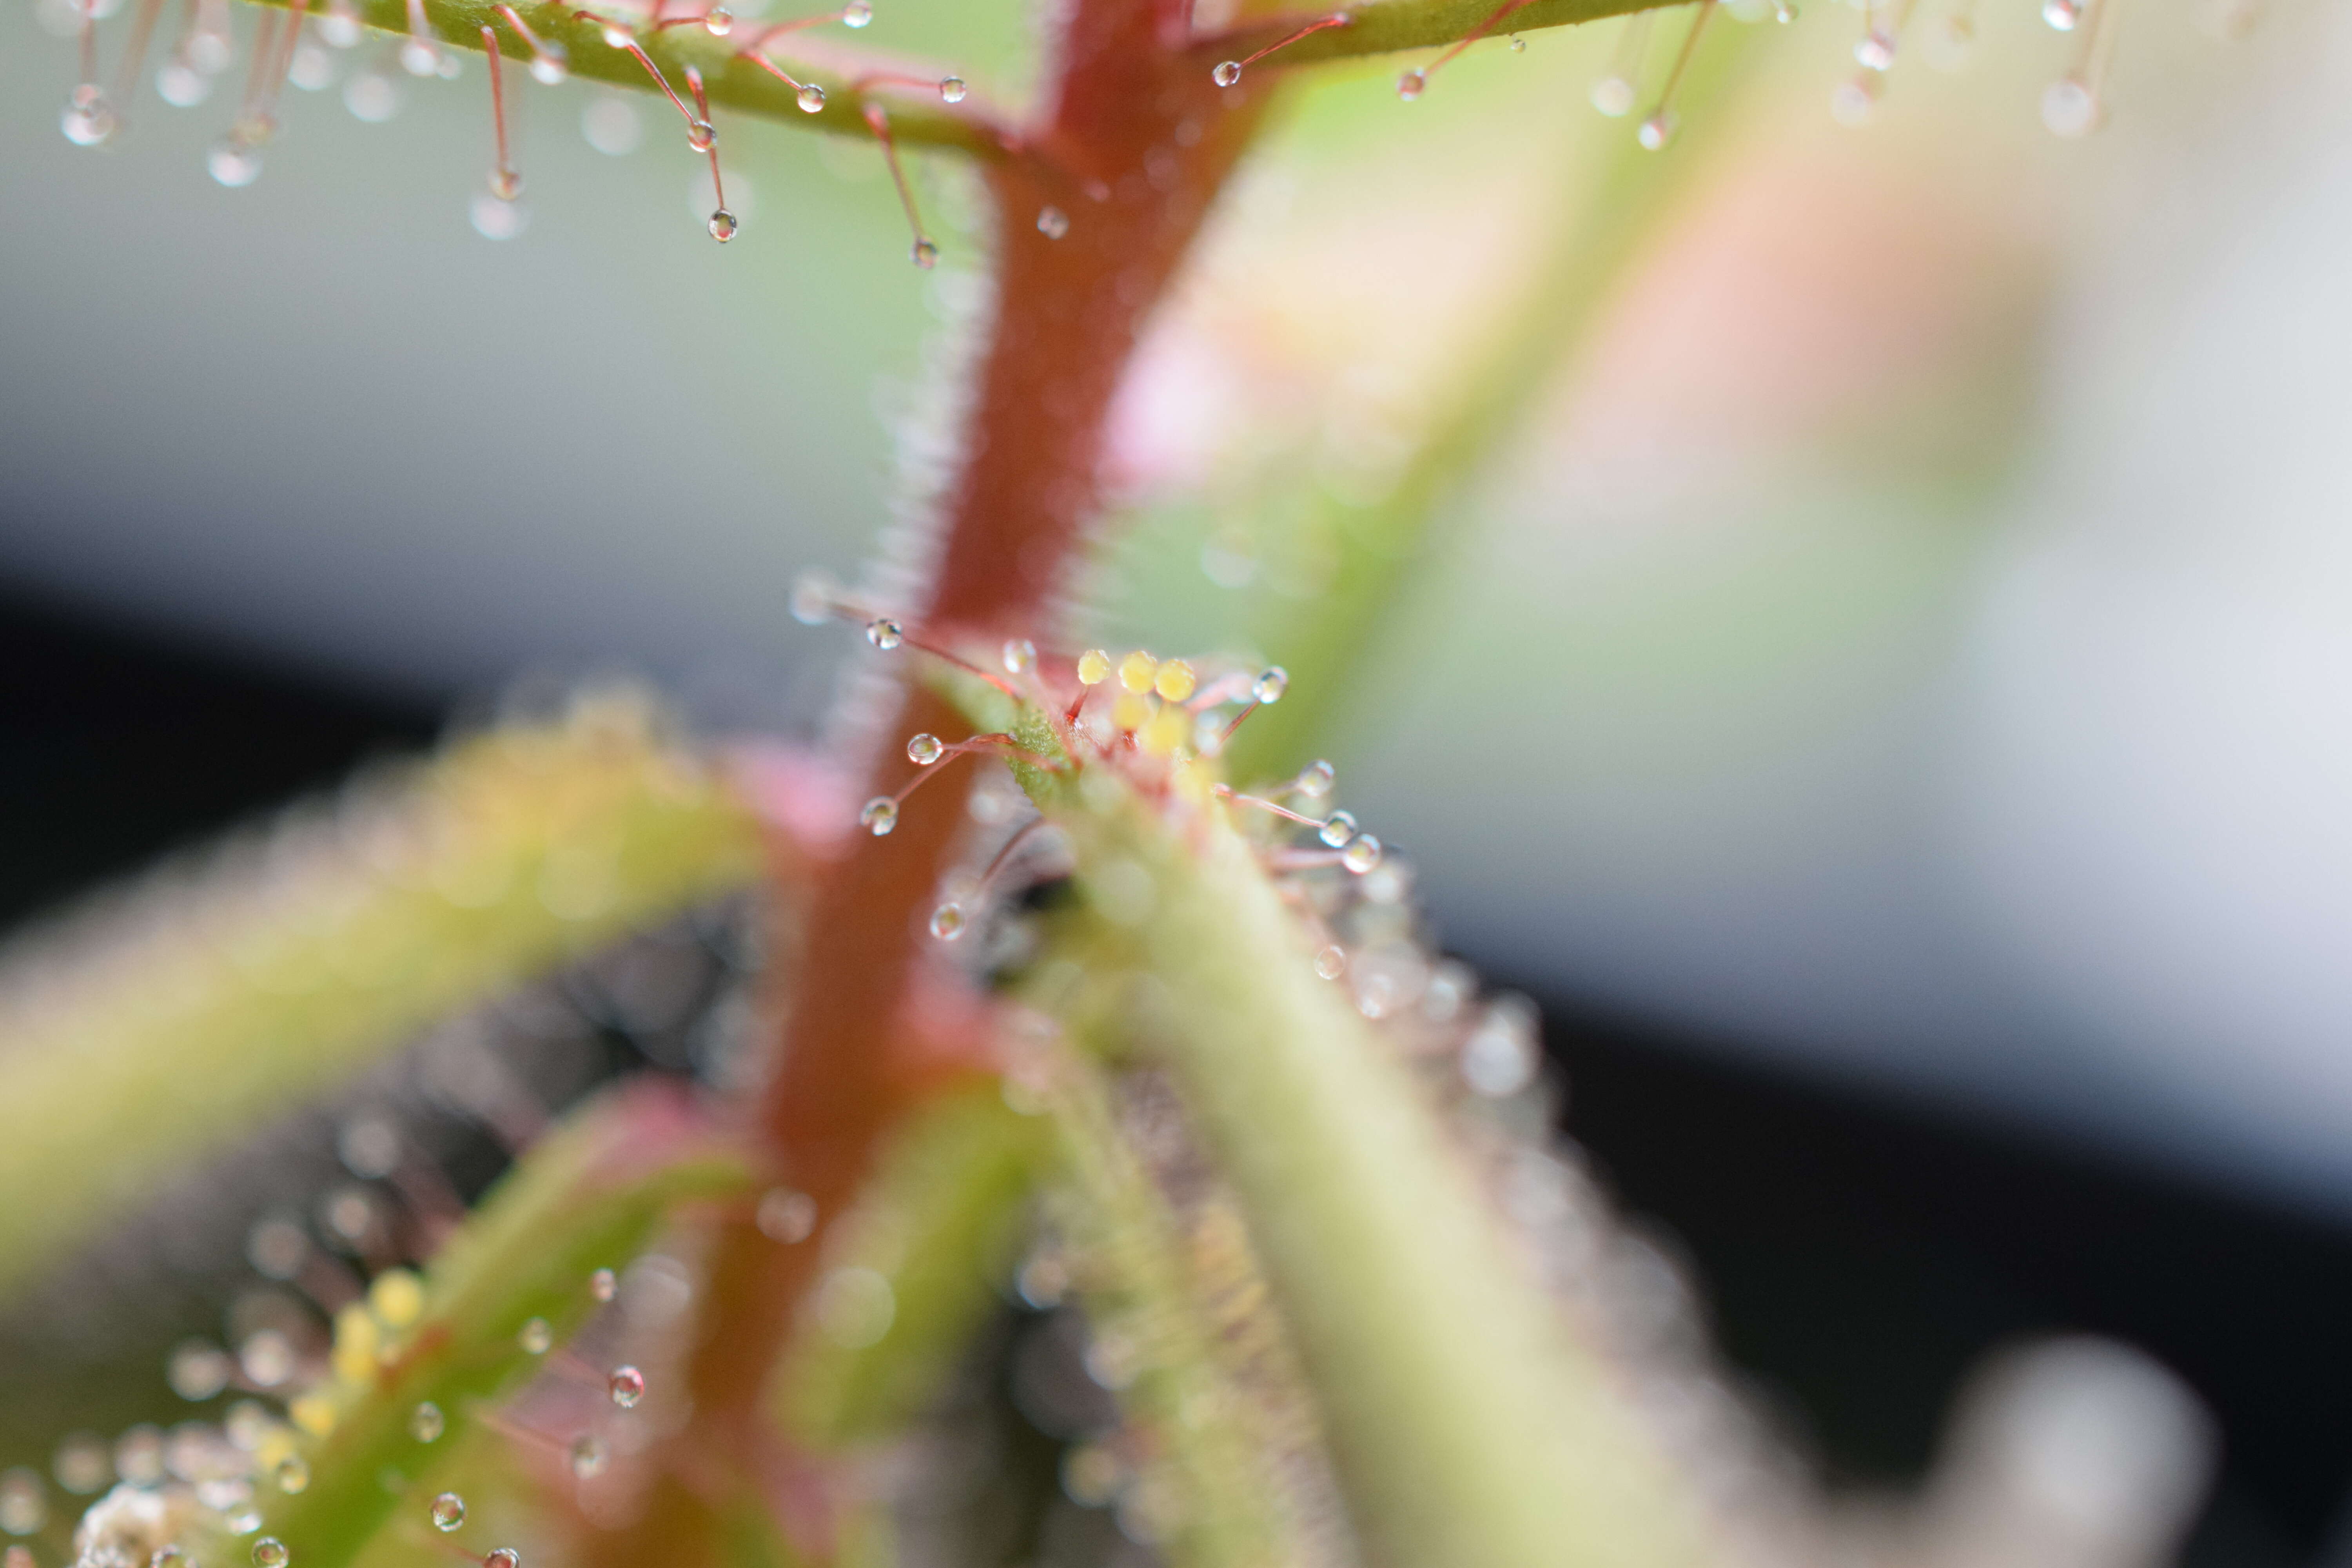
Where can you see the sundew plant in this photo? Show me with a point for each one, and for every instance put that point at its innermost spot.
(1033, 1126)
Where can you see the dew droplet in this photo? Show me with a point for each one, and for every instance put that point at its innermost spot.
(1658, 130)
(551, 65)
(626, 1385)
(616, 36)
(420, 57)
(952, 90)
(1093, 666)
(1852, 103)
(1331, 962)
(233, 163)
(1227, 73)
(452, 66)
(425, 1423)
(885, 633)
(536, 1337)
(924, 750)
(311, 68)
(722, 225)
(448, 1512)
(291, 1475)
(948, 922)
(719, 21)
(1518, 44)
(198, 1370)
(23, 1506)
(1411, 85)
(1270, 684)
(879, 816)
(1019, 655)
(182, 86)
(1052, 221)
(87, 120)
(2062, 15)
(1336, 829)
(814, 593)
(1363, 853)
(701, 135)
(588, 1455)
(601, 1286)
(495, 218)
(502, 1557)
(505, 185)
(812, 99)
(83, 1463)
(270, 1552)
(1316, 779)
(1875, 50)
(371, 97)
(857, 14)
(2069, 108)
(610, 124)
(1784, 12)
(925, 255)
(1613, 95)
(786, 1215)
(340, 27)
(168, 1555)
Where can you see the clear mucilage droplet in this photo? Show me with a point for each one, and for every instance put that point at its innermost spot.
(857, 14)
(925, 255)
(1316, 779)
(88, 120)
(948, 922)
(811, 99)
(885, 633)
(233, 163)
(701, 135)
(603, 1286)
(1613, 95)
(723, 225)
(536, 1337)
(270, 1552)
(588, 1455)
(1411, 85)
(502, 1557)
(1336, 829)
(448, 1512)
(1331, 962)
(924, 750)
(879, 816)
(1658, 130)
(1227, 74)
(425, 1423)
(2069, 108)
(292, 1475)
(626, 1385)
(1271, 683)
(952, 90)
(1362, 853)
(719, 21)
(1019, 655)
(550, 66)
(2064, 16)
(1052, 221)
(1875, 51)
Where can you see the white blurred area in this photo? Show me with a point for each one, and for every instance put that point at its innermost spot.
(1913, 642)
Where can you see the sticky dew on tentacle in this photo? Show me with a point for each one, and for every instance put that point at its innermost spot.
(551, 63)
(723, 225)
(1413, 84)
(2073, 106)
(498, 212)
(923, 253)
(1615, 94)
(1882, 34)
(1228, 73)
(1659, 126)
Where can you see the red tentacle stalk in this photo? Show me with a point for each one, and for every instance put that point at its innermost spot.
(1157, 138)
